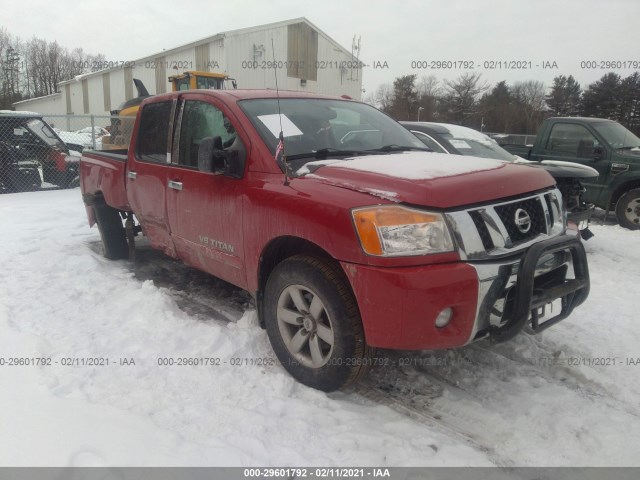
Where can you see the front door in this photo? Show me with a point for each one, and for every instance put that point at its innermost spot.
(204, 209)
(574, 143)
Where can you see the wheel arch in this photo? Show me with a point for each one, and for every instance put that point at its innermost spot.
(622, 189)
(278, 250)
(91, 200)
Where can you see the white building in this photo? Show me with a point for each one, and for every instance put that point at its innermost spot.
(306, 58)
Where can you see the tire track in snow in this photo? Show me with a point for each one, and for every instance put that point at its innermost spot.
(444, 397)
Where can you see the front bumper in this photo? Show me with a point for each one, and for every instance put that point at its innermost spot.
(497, 298)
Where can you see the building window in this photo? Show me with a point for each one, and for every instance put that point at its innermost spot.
(302, 52)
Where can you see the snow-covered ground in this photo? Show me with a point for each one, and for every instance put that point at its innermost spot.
(566, 397)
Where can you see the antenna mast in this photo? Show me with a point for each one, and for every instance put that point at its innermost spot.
(280, 148)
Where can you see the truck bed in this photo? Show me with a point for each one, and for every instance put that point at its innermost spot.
(103, 173)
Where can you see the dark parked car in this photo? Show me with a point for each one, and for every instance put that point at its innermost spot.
(459, 140)
(32, 153)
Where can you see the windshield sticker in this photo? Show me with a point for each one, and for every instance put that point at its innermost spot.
(272, 122)
(459, 144)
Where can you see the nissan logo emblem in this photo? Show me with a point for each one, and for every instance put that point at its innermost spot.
(522, 220)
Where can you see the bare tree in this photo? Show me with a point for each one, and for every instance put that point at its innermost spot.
(429, 86)
(35, 68)
(531, 96)
(10, 59)
(429, 91)
(383, 97)
(460, 97)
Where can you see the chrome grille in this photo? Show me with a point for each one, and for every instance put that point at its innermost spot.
(533, 210)
(500, 229)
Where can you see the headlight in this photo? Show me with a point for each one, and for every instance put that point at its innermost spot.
(392, 230)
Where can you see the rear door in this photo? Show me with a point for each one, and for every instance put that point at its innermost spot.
(205, 210)
(572, 142)
(147, 173)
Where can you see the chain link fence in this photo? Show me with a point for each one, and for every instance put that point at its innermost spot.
(43, 152)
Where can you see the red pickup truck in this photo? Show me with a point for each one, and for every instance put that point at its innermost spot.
(349, 235)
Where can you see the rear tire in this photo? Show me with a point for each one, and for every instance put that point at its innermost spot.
(314, 325)
(112, 233)
(628, 209)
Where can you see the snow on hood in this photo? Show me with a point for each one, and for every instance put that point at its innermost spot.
(431, 179)
(418, 165)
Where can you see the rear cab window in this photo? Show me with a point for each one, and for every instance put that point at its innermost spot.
(153, 135)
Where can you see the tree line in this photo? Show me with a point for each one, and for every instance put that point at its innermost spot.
(503, 108)
(33, 68)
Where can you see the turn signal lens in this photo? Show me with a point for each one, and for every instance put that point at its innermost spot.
(392, 230)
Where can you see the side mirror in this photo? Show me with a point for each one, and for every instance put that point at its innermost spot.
(213, 159)
(598, 153)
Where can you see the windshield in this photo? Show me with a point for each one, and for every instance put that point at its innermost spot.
(616, 135)
(44, 132)
(429, 142)
(470, 142)
(209, 83)
(312, 124)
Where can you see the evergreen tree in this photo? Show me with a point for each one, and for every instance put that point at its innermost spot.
(630, 102)
(603, 98)
(564, 98)
(497, 109)
(405, 98)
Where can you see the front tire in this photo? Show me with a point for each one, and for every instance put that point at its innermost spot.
(628, 209)
(314, 325)
(112, 233)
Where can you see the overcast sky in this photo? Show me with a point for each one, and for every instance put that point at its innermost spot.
(567, 32)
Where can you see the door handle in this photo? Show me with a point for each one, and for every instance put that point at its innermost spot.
(175, 185)
(132, 175)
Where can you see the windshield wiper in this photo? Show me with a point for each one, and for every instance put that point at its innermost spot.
(326, 152)
(629, 147)
(399, 148)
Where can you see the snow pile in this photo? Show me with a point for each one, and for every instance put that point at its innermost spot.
(59, 299)
(566, 397)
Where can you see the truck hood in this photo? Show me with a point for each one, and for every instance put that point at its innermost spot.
(430, 179)
(559, 169)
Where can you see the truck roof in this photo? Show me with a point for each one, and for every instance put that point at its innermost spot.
(583, 119)
(242, 94)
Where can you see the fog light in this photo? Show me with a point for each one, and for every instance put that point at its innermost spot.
(444, 317)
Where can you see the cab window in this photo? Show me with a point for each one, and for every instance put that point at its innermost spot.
(570, 140)
(182, 84)
(154, 132)
(201, 120)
